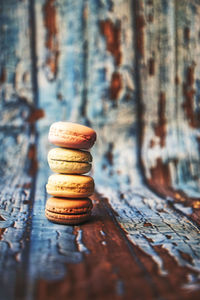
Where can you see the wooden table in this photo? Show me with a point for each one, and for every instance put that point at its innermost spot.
(130, 70)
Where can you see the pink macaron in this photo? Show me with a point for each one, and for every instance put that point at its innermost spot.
(72, 135)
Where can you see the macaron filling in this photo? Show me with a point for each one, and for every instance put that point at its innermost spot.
(72, 211)
(67, 219)
(71, 188)
(69, 161)
(65, 215)
(69, 167)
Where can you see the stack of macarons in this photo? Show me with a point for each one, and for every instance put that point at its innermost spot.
(69, 187)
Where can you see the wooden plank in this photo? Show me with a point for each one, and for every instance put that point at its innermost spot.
(164, 66)
(187, 94)
(98, 50)
(104, 56)
(160, 232)
(114, 267)
(17, 146)
(54, 259)
(60, 52)
(102, 273)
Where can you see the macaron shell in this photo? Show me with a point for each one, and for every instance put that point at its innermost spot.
(71, 135)
(72, 186)
(81, 193)
(69, 206)
(67, 219)
(69, 161)
(71, 180)
(65, 167)
(71, 155)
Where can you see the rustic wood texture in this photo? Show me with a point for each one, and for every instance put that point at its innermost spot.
(170, 104)
(17, 146)
(129, 69)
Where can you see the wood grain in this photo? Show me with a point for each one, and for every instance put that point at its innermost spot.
(130, 70)
(103, 273)
(17, 146)
(120, 272)
(166, 153)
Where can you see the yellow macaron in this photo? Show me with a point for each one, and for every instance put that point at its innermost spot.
(69, 161)
(72, 186)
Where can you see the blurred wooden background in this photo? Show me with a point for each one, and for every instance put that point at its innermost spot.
(131, 70)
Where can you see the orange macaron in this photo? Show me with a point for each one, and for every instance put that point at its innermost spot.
(68, 211)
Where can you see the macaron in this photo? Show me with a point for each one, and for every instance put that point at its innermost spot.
(71, 135)
(72, 186)
(69, 161)
(68, 211)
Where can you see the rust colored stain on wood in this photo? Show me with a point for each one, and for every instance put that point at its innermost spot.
(147, 224)
(151, 66)
(109, 271)
(177, 277)
(160, 174)
(186, 34)
(152, 144)
(188, 93)
(2, 229)
(186, 257)
(32, 155)
(115, 85)
(116, 269)
(3, 76)
(176, 80)
(112, 34)
(170, 286)
(160, 128)
(196, 216)
(160, 182)
(109, 154)
(140, 24)
(35, 115)
(51, 39)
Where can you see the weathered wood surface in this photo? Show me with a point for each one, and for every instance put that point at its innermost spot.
(129, 69)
